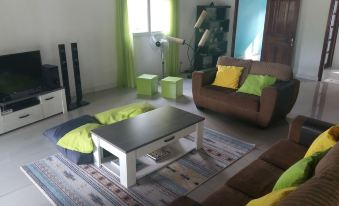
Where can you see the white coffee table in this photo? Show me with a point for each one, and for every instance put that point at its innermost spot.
(130, 140)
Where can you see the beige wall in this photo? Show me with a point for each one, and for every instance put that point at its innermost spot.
(336, 55)
(310, 36)
(43, 24)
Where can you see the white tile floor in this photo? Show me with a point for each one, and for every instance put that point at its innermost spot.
(27, 144)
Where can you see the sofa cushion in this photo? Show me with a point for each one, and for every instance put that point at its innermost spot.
(280, 71)
(228, 76)
(300, 172)
(229, 61)
(329, 161)
(184, 200)
(324, 141)
(227, 196)
(278, 156)
(257, 179)
(229, 96)
(273, 198)
(314, 192)
(254, 84)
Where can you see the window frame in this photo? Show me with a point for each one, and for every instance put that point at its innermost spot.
(149, 23)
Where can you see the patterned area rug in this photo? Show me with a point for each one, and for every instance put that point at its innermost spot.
(65, 183)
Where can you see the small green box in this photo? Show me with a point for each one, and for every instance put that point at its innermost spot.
(172, 87)
(147, 84)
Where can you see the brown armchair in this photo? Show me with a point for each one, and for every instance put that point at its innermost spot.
(275, 102)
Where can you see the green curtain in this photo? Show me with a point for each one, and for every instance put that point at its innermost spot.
(124, 46)
(172, 53)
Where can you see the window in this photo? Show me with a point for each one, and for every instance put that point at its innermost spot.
(149, 15)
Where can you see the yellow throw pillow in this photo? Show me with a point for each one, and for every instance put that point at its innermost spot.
(228, 76)
(272, 198)
(324, 141)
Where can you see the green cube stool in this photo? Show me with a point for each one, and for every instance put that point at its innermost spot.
(147, 84)
(172, 87)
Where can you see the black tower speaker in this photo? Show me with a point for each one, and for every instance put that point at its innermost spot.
(77, 77)
(50, 77)
(64, 72)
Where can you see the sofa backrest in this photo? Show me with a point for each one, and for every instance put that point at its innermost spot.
(229, 61)
(280, 71)
(322, 188)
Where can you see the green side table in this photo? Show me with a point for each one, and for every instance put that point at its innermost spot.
(147, 84)
(172, 87)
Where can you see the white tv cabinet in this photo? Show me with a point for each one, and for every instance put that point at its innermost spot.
(51, 103)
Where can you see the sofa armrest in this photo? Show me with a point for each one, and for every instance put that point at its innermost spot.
(287, 96)
(277, 101)
(204, 77)
(304, 130)
(185, 201)
(268, 101)
(200, 79)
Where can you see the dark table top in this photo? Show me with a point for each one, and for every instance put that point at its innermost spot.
(131, 134)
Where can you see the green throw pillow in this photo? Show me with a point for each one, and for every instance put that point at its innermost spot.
(122, 113)
(254, 84)
(79, 139)
(300, 172)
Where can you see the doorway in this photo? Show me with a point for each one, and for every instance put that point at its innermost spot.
(250, 29)
(329, 66)
(265, 30)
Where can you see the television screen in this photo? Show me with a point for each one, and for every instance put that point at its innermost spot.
(20, 74)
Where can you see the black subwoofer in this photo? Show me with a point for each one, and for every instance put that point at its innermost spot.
(50, 77)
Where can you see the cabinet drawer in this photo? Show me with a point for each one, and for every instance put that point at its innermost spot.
(164, 141)
(51, 103)
(21, 118)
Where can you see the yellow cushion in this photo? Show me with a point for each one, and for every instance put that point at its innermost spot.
(272, 198)
(228, 76)
(324, 141)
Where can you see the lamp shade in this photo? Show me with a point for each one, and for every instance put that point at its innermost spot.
(204, 38)
(201, 19)
(175, 40)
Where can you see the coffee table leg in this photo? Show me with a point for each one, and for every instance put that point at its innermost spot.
(97, 153)
(199, 135)
(128, 169)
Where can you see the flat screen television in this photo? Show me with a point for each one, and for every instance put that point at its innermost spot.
(20, 75)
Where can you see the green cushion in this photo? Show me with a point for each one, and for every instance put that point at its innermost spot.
(300, 172)
(79, 139)
(254, 84)
(122, 113)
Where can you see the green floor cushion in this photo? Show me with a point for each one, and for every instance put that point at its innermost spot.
(79, 139)
(122, 113)
(300, 172)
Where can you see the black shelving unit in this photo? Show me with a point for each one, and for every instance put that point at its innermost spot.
(218, 23)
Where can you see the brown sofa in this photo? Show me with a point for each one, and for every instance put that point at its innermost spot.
(276, 101)
(259, 177)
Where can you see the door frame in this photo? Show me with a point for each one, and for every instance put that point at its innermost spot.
(326, 38)
(235, 23)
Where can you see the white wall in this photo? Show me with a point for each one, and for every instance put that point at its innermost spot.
(43, 24)
(147, 58)
(335, 64)
(310, 37)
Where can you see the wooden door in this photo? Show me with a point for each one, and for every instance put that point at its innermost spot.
(280, 29)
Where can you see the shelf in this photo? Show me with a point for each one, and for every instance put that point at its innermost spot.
(146, 165)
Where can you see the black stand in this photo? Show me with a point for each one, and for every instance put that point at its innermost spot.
(63, 62)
